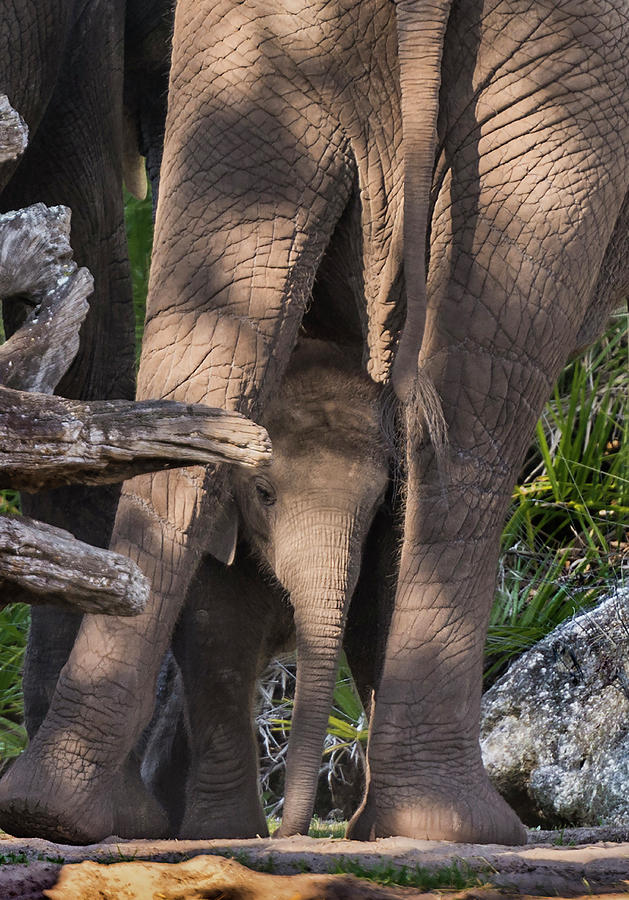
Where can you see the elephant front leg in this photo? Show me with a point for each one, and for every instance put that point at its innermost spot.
(219, 647)
(63, 786)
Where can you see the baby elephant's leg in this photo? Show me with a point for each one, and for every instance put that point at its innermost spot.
(218, 645)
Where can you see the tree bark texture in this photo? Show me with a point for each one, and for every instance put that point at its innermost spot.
(13, 131)
(42, 564)
(47, 441)
(37, 271)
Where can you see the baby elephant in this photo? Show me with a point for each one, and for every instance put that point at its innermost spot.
(303, 523)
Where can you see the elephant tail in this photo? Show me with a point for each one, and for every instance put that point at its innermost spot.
(421, 26)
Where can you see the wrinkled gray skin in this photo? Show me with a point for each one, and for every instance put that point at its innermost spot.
(282, 160)
(71, 100)
(306, 518)
(303, 524)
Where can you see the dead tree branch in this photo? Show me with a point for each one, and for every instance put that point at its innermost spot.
(42, 564)
(47, 441)
(36, 267)
(13, 131)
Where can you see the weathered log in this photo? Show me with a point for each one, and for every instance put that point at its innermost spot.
(13, 131)
(42, 564)
(37, 269)
(49, 441)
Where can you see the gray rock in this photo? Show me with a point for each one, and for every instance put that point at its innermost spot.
(555, 727)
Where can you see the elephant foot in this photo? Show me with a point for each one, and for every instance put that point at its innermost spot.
(37, 799)
(208, 824)
(467, 816)
(137, 814)
(282, 832)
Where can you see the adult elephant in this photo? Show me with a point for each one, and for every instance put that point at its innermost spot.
(62, 65)
(61, 68)
(283, 160)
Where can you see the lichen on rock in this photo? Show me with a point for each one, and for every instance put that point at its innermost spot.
(555, 727)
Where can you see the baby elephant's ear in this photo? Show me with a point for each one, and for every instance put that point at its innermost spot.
(224, 536)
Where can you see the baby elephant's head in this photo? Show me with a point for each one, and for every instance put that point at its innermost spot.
(308, 513)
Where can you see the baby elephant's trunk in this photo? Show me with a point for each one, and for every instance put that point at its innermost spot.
(321, 578)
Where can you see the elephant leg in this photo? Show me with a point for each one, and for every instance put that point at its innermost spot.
(163, 751)
(219, 644)
(64, 785)
(425, 768)
(51, 636)
(370, 611)
(519, 235)
(212, 337)
(136, 810)
(426, 774)
(74, 159)
(28, 77)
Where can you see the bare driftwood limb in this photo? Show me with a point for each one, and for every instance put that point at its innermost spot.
(36, 267)
(13, 131)
(42, 564)
(49, 441)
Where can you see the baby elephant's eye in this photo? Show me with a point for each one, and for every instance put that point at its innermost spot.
(265, 493)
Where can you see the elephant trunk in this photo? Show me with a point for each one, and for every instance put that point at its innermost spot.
(421, 31)
(321, 583)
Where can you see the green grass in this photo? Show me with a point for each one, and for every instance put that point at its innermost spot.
(242, 857)
(319, 828)
(456, 876)
(20, 858)
(322, 829)
(139, 225)
(13, 629)
(566, 539)
(108, 859)
(10, 502)
(14, 859)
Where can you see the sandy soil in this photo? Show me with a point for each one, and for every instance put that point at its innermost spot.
(570, 863)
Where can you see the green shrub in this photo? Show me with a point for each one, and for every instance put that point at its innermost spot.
(13, 629)
(565, 541)
(139, 224)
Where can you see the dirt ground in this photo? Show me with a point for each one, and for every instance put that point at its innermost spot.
(574, 862)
